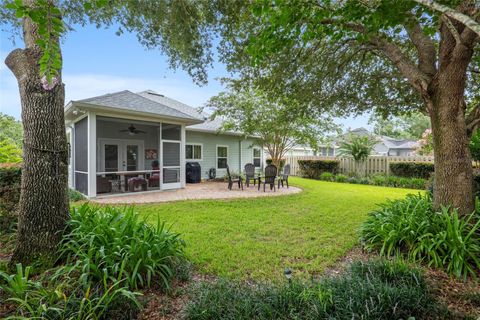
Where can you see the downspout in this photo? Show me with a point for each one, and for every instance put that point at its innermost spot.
(240, 157)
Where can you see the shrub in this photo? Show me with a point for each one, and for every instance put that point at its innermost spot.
(379, 180)
(10, 187)
(372, 290)
(314, 168)
(341, 178)
(412, 169)
(411, 228)
(67, 301)
(327, 176)
(107, 253)
(119, 244)
(352, 180)
(75, 195)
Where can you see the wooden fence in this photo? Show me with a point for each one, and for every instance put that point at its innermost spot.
(374, 164)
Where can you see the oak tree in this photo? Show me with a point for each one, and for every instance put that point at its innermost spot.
(387, 56)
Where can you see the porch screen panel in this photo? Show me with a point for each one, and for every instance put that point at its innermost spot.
(81, 182)
(81, 145)
(171, 131)
(171, 154)
(171, 175)
(81, 156)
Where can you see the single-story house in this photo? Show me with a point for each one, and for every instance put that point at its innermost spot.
(127, 142)
(384, 146)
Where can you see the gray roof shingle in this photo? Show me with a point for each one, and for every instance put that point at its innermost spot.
(129, 101)
(207, 126)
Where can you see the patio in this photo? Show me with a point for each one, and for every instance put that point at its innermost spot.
(204, 190)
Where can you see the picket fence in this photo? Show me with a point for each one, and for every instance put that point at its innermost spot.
(374, 164)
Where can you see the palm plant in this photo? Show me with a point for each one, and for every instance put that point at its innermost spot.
(359, 148)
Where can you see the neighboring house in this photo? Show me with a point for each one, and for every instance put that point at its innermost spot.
(385, 146)
(127, 141)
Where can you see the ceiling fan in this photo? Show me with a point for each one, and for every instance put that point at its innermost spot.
(132, 130)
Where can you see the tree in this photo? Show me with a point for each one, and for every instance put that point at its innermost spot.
(277, 123)
(359, 148)
(408, 126)
(475, 147)
(175, 27)
(11, 129)
(352, 56)
(11, 133)
(425, 144)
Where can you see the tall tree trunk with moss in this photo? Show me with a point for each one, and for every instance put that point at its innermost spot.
(447, 108)
(43, 207)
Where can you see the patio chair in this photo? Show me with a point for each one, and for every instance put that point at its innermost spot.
(284, 176)
(231, 180)
(270, 176)
(250, 174)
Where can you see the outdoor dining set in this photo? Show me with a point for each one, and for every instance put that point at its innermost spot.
(270, 177)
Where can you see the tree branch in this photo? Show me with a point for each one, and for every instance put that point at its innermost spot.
(473, 120)
(453, 14)
(427, 54)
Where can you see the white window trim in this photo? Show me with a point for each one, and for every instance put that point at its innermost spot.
(201, 150)
(216, 156)
(253, 156)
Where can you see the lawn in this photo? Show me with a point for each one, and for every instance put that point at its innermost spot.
(258, 238)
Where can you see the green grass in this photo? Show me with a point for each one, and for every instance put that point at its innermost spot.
(257, 238)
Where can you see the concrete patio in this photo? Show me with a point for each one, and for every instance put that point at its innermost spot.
(204, 190)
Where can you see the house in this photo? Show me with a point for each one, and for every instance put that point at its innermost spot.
(385, 146)
(127, 142)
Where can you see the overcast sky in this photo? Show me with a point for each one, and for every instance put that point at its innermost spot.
(96, 62)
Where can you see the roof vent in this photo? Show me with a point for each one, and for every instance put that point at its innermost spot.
(155, 94)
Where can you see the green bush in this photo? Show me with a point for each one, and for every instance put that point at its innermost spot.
(412, 169)
(64, 300)
(10, 187)
(341, 178)
(120, 244)
(314, 168)
(372, 290)
(353, 180)
(106, 253)
(327, 176)
(75, 195)
(411, 228)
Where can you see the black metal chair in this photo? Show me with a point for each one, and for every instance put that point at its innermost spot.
(250, 174)
(231, 180)
(270, 176)
(284, 176)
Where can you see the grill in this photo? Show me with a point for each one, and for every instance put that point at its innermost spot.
(194, 172)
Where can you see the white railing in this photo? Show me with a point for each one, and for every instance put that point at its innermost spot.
(374, 164)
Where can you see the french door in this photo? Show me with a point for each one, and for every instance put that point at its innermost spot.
(121, 155)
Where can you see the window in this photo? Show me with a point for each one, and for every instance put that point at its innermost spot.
(257, 157)
(222, 156)
(193, 151)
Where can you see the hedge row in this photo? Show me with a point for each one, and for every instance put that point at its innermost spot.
(378, 180)
(412, 169)
(314, 168)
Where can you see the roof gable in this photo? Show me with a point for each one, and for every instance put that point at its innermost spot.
(129, 101)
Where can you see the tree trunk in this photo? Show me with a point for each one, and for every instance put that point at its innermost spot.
(43, 207)
(453, 165)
